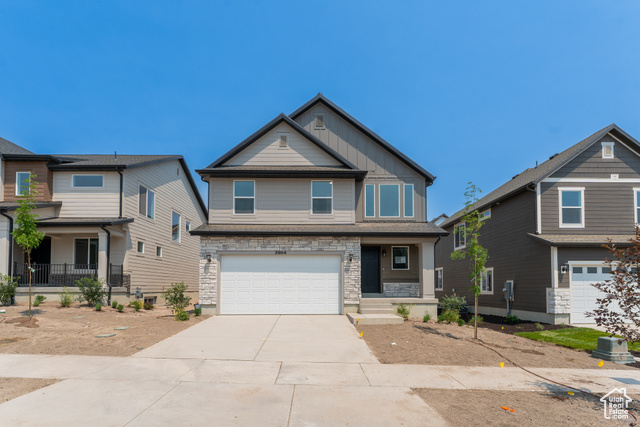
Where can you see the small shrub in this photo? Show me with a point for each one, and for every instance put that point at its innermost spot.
(91, 290)
(512, 320)
(38, 300)
(403, 310)
(136, 304)
(65, 297)
(480, 319)
(450, 316)
(114, 304)
(99, 307)
(461, 322)
(147, 306)
(182, 315)
(197, 311)
(177, 300)
(441, 318)
(452, 302)
(539, 326)
(426, 318)
(7, 289)
(120, 308)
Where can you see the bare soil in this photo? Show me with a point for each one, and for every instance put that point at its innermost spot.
(415, 342)
(10, 388)
(73, 330)
(484, 408)
(499, 324)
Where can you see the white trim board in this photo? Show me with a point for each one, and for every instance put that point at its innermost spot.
(592, 180)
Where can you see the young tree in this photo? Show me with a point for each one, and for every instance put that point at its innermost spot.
(619, 309)
(26, 233)
(473, 250)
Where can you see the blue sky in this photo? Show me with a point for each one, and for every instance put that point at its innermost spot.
(473, 91)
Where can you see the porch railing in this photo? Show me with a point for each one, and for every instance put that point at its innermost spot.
(61, 275)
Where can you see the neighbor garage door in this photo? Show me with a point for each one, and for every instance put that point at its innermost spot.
(280, 284)
(583, 294)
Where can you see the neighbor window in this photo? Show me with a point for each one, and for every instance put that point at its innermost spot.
(85, 252)
(400, 258)
(146, 202)
(23, 179)
(485, 214)
(389, 200)
(187, 225)
(408, 200)
(140, 247)
(439, 279)
(571, 207)
(607, 150)
(283, 140)
(319, 121)
(87, 181)
(369, 200)
(244, 197)
(321, 197)
(175, 227)
(459, 237)
(636, 197)
(486, 281)
(159, 251)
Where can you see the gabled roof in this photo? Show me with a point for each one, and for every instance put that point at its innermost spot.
(362, 128)
(532, 176)
(266, 128)
(8, 147)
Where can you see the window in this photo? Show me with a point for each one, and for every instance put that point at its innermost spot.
(606, 270)
(485, 214)
(400, 258)
(188, 225)
(87, 181)
(159, 251)
(175, 227)
(283, 140)
(319, 121)
(321, 197)
(147, 202)
(571, 207)
(577, 270)
(486, 281)
(369, 200)
(85, 252)
(607, 150)
(408, 200)
(140, 247)
(459, 236)
(389, 200)
(636, 196)
(592, 270)
(244, 197)
(439, 279)
(23, 179)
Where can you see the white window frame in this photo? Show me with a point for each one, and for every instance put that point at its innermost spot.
(187, 225)
(485, 214)
(440, 278)
(605, 146)
(179, 226)
(483, 279)
(281, 135)
(146, 214)
(413, 200)
(582, 207)
(324, 121)
(366, 200)
(158, 251)
(380, 201)
(18, 181)
(463, 236)
(73, 177)
(636, 190)
(244, 197)
(312, 198)
(138, 247)
(408, 258)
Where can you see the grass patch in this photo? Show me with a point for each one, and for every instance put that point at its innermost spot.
(578, 338)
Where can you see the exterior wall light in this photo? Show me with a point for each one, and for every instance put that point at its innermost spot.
(350, 257)
(384, 252)
(208, 257)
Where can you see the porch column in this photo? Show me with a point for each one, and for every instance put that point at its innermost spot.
(102, 255)
(427, 269)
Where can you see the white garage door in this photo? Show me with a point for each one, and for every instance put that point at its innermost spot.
(280, 284)
(583, 294)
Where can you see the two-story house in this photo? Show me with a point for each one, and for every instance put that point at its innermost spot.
(121, 218)
(545, 230)
(314, 213)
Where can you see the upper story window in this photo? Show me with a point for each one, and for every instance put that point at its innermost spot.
(459, 236)
(389, 200)
(485, 214)
(439, 279)
(571, 207)
(607, 150)
(87, 181)
(244, 197)
(369, 200)
(23, 179)
(85, 252)
(146, 202)
(400, 258)
(321, 197)
(175, 227)
(283, 140)
(486, 281)
(408, 200)
(319, 121)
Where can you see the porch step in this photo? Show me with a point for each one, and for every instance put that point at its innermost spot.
(373, 306)
(375, 319)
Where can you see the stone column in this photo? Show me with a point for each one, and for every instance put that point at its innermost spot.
(102, 255)
(427, 269)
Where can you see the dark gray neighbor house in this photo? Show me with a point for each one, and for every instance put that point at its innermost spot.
(545, 230)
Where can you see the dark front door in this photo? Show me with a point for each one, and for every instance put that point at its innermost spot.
(370, 269)
(41, 261)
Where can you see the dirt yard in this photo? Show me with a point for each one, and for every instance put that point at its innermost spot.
(10, 388)
(415, 342)
(73, 330)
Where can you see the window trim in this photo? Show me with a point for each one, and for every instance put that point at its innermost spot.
(463, 236)
(158, 249)
(636, 192)
(21, 180)
(331, 198)
(88, 239)
(138, 247)
(73, 186)
(484, 217)
(244, 197)
(380, 201)
(366, 199)
(560, 207)
(439, 272)
(146, 214)
(493, 281)
(408, 258)
(413, 201)
(324, 120)
(606, 145)
(286, 145)
(179, 226)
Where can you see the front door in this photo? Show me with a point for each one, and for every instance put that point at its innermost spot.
(41, 260)
(370, 269)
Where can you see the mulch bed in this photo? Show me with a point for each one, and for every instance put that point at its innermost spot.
(499, 324)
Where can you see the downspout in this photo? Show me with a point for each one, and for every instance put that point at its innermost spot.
(121, 191)
(108, 261)
(4, 214)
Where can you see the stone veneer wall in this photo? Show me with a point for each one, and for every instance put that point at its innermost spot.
(213, 245)
(558, 300)
(401, 290)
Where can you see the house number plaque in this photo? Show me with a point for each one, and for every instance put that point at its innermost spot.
(281, 252)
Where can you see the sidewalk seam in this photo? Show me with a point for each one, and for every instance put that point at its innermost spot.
(365, 374)
(153, 403)
(291, 405)
(268, 335)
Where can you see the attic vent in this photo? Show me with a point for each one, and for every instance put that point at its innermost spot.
(319, 121)
(553, 156)
(282, 142)
(515, 176)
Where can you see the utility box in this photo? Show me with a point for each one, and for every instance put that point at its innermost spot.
(508, 290)
(609, 349)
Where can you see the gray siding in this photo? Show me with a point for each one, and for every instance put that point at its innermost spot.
(578, 254)
(512, 254)
(84, 202)
(388, 275)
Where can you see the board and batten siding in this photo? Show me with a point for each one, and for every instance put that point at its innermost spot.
(281, 201)
(44, 178)
(267, 152)
(87, 202)
(180, 260)
(512, 254)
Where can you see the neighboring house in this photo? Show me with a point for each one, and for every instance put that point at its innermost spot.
(315, 213)
(125, 219)
(545, 230)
